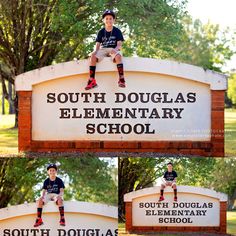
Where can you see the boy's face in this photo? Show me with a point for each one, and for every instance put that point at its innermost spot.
(169, 167)
(52, 172)
(108, 20)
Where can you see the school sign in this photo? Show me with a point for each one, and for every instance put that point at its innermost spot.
(167, 107)
(197, 209)
(82, 218)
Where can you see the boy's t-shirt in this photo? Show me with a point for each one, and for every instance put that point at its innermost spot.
(53, 186)
(109, 39)
(170, 176)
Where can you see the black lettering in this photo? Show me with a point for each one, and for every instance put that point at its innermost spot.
(148, 213)
(129, 128)
(120, 97)
(99, 128)
(6, 232)
(87, 96)
(117, 113)
(130, 114)
(88, 113)
(167, 113)
(74, 113)
(144, 112)
(62, 98)
(65, 113)
(134, 99)
(115, 127)
(109, 233)
(165, 99)
(51, 97)
(154, 114)
(99, 96)
(142, 100)
(104, 114)
(76, 97)
(73, 232)
(180, 98)
(156, 97)
(116, 232)
(61, 232)
(148, 131)
(90, 128)
(141, 205)
(191, 97)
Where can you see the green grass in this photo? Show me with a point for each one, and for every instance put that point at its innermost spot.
(231, 228)
(8, 135)
(230, 132)
(231, 222)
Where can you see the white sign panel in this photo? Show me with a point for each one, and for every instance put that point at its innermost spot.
(190, 210)
(151, 107)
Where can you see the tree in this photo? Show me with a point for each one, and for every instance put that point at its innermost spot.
(86, 178)
(232, 88)
(34, 33)
(205, 45)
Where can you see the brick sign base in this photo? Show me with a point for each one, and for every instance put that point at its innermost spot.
(128, 198)
(213, 147)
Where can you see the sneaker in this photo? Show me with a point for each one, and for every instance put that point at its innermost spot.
(63, 222)
(161, 199)
(175, 199)
(38, 222)
(91, 84)
(121, 83)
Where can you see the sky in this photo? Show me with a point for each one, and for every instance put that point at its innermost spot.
(222, 12)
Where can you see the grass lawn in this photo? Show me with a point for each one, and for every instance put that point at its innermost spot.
(230, 132)
(231, 222)
(231, 228)
(8, 135)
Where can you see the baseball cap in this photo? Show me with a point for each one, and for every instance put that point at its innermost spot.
(52, 166)
(108, 12)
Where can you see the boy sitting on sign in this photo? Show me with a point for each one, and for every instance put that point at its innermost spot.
(53, 190)
(108, 43)
(169, 180)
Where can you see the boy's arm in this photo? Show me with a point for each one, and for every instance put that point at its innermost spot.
(61, 192)
(119, 45)
(97, 47)
(43, 193)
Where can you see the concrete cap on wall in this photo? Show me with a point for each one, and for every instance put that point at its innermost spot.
(70, 206)
(216, 81)
(128, 197)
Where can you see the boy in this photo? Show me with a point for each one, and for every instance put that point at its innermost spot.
(53, 189)
(170, 180)
(108, 43)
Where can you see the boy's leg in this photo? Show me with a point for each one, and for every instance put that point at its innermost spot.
(39, 220)
(162, 193)
(120, 68)
(92, 68)
(61, 210)
(175, 191)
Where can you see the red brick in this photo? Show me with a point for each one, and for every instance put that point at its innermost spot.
(121, 145)
(87, 144)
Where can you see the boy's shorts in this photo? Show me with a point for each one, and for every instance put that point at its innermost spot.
(169, 183)
(106, 52)
(50, 197)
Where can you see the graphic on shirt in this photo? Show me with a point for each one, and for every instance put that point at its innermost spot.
(170, 176)
(109, 39)
(53, 186)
